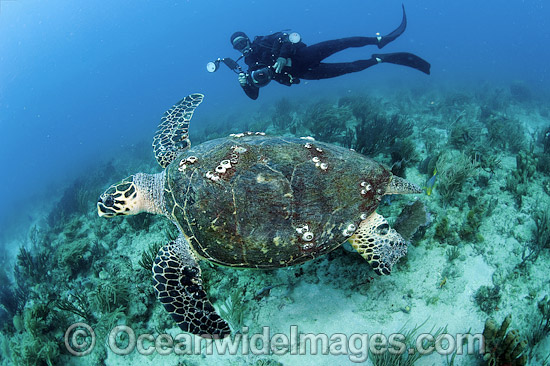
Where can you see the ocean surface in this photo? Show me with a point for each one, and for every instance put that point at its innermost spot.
(83, 85)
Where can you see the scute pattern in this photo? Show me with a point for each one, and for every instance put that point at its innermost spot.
(178, 284)
(273, 189)
(172, 134)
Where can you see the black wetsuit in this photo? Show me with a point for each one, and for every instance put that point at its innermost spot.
(305, 60)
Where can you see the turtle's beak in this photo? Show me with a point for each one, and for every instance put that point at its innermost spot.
(103, 210)
(120, 199)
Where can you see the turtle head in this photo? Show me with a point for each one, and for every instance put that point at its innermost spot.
(119, 199)
(133, 195)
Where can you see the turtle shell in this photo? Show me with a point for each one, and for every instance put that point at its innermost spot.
(267, 202)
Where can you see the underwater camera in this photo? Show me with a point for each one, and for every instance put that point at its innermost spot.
(261, 77)
(213, 66)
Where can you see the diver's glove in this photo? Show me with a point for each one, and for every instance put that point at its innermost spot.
(242, 79)
(278, 66)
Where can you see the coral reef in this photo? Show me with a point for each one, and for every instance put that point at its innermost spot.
(502, 346)
(74, 267)
(412, 218)
(74, 256)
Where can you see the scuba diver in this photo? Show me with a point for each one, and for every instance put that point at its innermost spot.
(286, 59)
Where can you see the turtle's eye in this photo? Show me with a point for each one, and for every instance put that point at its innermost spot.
(109, 201)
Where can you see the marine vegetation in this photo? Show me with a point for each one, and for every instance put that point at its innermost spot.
(540, 237)
(455, 170)
(327, 122)
(474, 218)
(77, 302)
(504, 346)
(405, 358)
(526, 166)
(233, 309)
(282, 117)
(505, 133)
(148, 256)
(452, 253)
(379, 133)
(363, 107)
(443, 233)
(466, 134)
(13, 297)
(488, 298)
(541, 328)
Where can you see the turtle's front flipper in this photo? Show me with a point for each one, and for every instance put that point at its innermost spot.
(378, 243)
(172, 133)
(178, 284)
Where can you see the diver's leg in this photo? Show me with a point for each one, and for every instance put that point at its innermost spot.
(315, 53)
(330, 70)
(326, 71)
(405, 59)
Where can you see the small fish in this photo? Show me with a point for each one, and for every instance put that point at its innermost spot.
(430, 183)
(264, 292)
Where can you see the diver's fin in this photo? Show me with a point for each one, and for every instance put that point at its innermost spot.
(405, 59)
(378, 243)
(178, 284)
(384, 40)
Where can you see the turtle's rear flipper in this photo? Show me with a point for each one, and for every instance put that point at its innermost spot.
(178, 284)
(379, 244)
(172, 134)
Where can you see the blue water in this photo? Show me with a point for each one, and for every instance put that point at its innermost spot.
(81, 80)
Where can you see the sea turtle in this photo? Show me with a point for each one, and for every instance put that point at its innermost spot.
(249, 200)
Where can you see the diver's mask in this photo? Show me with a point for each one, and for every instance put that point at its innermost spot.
(242, 44)
(261, 77)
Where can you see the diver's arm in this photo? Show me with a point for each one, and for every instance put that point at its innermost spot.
(286, 49)
(283, 54)
(250, 90)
